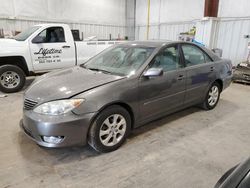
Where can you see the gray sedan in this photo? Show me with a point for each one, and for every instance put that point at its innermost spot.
(122, 88)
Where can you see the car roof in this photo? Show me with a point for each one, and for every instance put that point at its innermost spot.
(160, 43)
(148, 43)
(155, 43)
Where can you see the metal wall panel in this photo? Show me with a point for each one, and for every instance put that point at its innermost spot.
(230, 38)
(101, 31)
(166, 31)
(172, 31)
(226, 34)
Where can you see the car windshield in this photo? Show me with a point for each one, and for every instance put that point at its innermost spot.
(25, 34)
(120, 60)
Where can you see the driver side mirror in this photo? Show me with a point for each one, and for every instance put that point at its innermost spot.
(153, 72)
(38, 39)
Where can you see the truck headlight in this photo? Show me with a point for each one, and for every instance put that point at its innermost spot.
(58, 107)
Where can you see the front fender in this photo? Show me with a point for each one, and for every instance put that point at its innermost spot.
(122, 91)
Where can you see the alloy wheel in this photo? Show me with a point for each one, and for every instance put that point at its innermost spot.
(213, 95)
(112, 130)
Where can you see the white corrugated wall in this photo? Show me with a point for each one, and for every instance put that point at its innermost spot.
(230, 38)
(167, 17)
(228, 34)
(166, 31)
(101, 31)
(95, 17)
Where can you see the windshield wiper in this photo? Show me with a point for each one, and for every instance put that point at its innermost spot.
(101, 70)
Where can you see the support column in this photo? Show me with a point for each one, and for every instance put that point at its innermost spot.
(206, 29)
(211, 8)
(130, 19)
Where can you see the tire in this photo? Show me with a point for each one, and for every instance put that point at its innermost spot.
(212, 97)
(12, 78)
(103, 136)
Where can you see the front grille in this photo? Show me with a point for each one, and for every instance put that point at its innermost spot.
(29, 104)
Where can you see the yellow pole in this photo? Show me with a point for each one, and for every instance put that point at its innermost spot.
(148, 19)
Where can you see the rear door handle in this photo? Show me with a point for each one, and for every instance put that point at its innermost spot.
(180, 77)
(211, 69)
(65, 46)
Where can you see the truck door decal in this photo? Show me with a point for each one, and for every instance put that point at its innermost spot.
(46, 55)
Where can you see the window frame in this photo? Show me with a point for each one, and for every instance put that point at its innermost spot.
(181, 63)
(46, 34)
(197, 47)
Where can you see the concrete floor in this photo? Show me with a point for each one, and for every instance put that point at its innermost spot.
(192, 148)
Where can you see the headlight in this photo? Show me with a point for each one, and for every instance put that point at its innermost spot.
(58, 107)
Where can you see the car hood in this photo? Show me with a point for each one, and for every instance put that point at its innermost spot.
(67, 83)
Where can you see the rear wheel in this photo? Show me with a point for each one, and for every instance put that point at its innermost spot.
(212, 97)
(110, 129)
(12, 78)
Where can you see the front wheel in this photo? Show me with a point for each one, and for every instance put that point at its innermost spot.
(12, 78)
(212, 97)
(110, 129)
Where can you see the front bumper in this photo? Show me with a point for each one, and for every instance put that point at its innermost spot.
(73, 128)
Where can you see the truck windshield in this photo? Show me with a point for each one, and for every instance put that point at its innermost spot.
(25, 34)
(120, 60)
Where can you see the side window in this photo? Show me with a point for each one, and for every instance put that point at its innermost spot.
(168, 59)
(194, 56)
(50, 35)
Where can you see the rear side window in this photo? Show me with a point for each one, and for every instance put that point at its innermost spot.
(51, 35)
(194, 56)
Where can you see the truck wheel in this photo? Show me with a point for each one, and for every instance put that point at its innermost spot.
(110, 129)
(212, 97)
(12, 78)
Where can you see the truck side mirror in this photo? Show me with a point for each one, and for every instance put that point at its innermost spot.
(38, 39)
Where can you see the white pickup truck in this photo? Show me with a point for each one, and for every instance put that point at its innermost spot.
(42, 48)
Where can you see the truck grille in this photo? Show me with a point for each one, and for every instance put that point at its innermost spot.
(29, 104)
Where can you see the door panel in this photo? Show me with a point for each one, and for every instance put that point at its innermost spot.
(200, 73)
(49, 50)
(164, 93)
(198, 80)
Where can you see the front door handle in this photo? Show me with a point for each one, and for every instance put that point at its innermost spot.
(65, 46)
(211, 69)
(180, 77)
